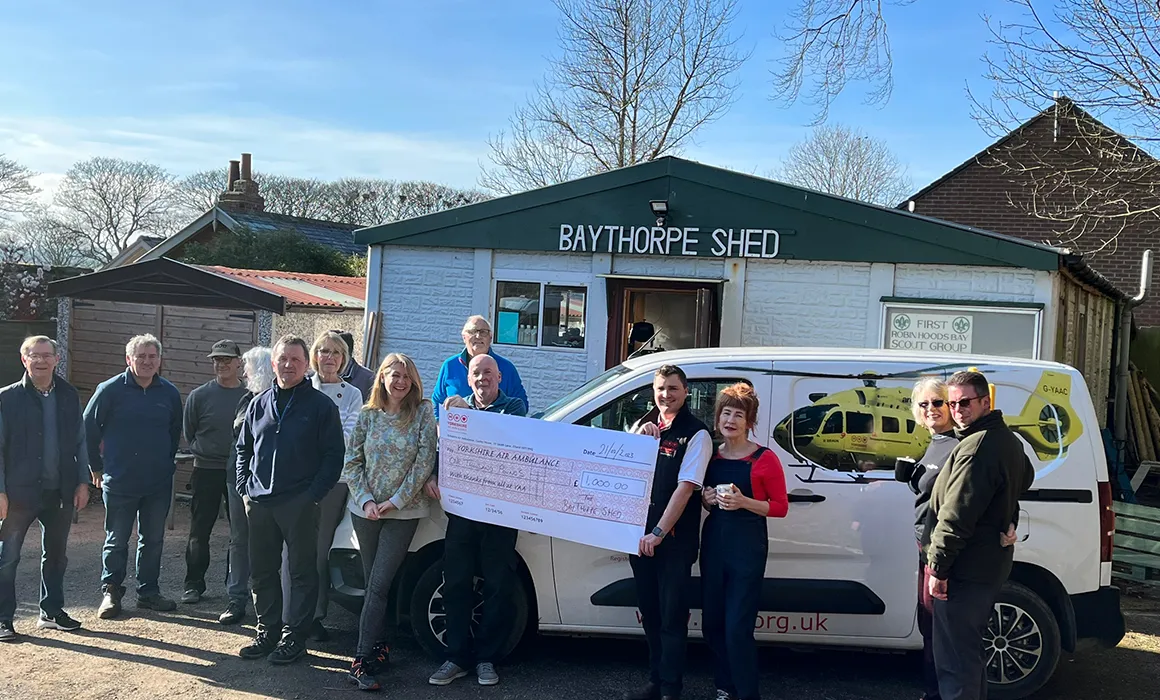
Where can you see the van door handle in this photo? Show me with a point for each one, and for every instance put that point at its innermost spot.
(805, 497)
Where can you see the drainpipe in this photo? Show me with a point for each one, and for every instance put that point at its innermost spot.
(1121, 401)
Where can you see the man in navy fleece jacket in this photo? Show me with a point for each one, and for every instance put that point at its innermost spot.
(133, 426)
(290, 452)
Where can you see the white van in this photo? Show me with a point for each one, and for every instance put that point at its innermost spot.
(843, 563)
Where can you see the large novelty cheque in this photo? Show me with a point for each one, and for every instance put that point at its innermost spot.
(576, 483)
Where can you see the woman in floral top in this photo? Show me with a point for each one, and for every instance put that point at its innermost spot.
(390, 455)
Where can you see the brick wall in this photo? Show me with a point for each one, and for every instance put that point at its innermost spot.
(995, 199)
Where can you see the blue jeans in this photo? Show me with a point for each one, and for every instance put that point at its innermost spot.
(121, 511)
(55, 515)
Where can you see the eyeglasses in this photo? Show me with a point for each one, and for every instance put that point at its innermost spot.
(40, 356)
(963, 403)
(329, 353)
(476, 332)
(937, 403)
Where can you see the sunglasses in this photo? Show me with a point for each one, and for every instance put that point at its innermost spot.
(963, 403)
(937, 403)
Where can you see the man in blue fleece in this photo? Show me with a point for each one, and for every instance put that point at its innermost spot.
(133, 426)
(290, 451)
(452, 379)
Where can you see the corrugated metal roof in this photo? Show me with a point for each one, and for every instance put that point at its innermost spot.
(302, 288)
(329, 233)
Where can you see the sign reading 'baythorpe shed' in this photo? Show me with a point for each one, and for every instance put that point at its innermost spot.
(659, 240)
(673, 254)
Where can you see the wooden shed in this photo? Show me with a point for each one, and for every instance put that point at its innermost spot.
(186, 307)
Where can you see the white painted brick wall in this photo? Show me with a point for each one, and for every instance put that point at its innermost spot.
(426, 297)
(547, 374)
(798, 303)
(670, 266)
(973, 283)
(546, 262)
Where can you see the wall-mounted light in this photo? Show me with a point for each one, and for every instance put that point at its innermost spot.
(660, 208)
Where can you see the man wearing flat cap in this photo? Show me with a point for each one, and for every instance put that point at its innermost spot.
(209, 431)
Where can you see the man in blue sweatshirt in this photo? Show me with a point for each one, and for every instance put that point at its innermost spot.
(133, 427)
(290, 451)
(452, 379)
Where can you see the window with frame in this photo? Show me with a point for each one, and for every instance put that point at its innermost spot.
(536, 314)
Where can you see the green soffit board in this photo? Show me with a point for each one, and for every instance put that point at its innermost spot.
(711, 212)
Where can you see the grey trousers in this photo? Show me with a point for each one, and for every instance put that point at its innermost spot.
(959, 623)
(330, 512)
(294, 522)
(383, 545)
(238, 571)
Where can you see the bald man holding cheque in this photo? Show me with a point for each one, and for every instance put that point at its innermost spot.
(500, 472)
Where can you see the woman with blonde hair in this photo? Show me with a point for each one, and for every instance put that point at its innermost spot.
(744, 486)
(389, 458)
(328, 357)
(928, 401)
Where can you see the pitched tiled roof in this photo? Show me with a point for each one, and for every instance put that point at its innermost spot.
(302, 288)
(329, 233)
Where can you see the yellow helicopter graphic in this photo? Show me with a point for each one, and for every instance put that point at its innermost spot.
(871, 426)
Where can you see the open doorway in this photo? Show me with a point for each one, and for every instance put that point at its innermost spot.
(647, 316)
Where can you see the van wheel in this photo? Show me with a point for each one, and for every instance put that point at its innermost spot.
(429, 618)
(1021, 645)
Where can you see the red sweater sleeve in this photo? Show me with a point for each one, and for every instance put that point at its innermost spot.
(769, 483)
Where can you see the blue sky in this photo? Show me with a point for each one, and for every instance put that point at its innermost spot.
(404, 89)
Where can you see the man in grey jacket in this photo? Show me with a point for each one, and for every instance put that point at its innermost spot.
(209, 430)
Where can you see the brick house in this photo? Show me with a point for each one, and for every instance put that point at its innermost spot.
(676, 254)
(1027, 171)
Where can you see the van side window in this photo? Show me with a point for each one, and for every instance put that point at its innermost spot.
(859, 423)
(622, 412)
(889, 424)
(910, 426)
(833, 424)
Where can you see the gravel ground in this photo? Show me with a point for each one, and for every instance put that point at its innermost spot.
(187, 654)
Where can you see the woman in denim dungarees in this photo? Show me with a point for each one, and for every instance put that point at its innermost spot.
(744, 485)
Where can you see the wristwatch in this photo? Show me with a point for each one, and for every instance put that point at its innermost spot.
(657, 532)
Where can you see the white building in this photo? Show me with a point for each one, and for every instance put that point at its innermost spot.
(712, 257)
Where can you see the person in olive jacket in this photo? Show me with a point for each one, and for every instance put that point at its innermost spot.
(974, 500)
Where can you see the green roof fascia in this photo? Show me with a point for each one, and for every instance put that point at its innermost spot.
(552, 194)
(860, 231)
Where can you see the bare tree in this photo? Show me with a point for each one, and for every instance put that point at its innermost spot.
(1089, 180)
(16, 189)
(102, 203)
(832, 43)
(844, 161)
(370, 201)
(197, 193)
(46, 242)
(634, 81)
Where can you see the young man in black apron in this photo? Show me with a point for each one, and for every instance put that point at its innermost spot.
(672, 531)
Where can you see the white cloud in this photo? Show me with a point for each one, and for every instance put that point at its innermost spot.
(288, 146)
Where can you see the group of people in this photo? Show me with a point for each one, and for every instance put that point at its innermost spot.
(292, 435)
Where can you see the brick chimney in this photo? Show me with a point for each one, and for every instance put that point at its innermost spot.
(241, 189)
